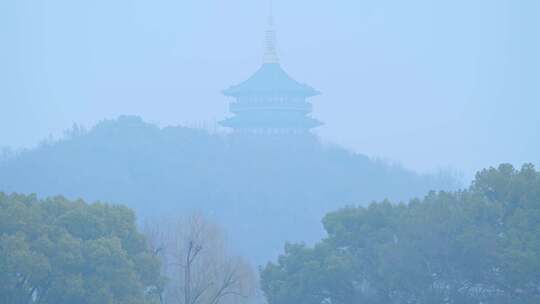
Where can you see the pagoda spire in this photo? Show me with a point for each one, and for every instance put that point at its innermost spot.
(270, 49)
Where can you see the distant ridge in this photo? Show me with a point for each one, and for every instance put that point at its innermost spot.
(263, 190)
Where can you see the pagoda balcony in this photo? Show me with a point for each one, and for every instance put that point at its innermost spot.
(303, 107)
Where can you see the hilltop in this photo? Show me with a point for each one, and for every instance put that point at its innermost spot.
(264, 190)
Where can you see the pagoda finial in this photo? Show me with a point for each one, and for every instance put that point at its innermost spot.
(270, 49)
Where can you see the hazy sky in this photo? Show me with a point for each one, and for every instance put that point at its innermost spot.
(429, 84)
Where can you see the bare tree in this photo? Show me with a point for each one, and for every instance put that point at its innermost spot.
(198, 264)
(156, 238)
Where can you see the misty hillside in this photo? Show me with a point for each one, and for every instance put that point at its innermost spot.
(264, 190)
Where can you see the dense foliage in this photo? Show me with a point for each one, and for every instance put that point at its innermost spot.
(265, 189)
(480, 245)
(57, 251)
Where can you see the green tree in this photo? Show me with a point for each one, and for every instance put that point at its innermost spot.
(60, 251)
(480, 245)
(518, 192)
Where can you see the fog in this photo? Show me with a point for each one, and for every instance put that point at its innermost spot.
(269, 152)
(427, 84)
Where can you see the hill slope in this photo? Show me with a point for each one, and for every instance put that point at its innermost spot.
(264, 190)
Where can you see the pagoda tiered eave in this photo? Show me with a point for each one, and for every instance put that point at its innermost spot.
(271, 80)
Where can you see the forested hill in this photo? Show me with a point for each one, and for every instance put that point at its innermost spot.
(264, 190)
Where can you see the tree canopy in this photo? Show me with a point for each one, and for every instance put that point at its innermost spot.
(479, 245)
(59, 251)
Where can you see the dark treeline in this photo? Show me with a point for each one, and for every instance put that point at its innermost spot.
(265, 190)
(476, 246)
(480, 245)
(57, 251)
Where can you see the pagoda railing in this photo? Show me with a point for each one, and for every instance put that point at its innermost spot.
(272, 106)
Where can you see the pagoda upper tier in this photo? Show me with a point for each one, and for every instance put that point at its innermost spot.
(271, 79)
(270, 101)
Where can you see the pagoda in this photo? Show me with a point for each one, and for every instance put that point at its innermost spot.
(270, 101)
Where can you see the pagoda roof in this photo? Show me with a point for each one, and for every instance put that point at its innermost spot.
(270, 79)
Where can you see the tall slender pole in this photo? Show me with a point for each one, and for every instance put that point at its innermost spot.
(270, 53)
